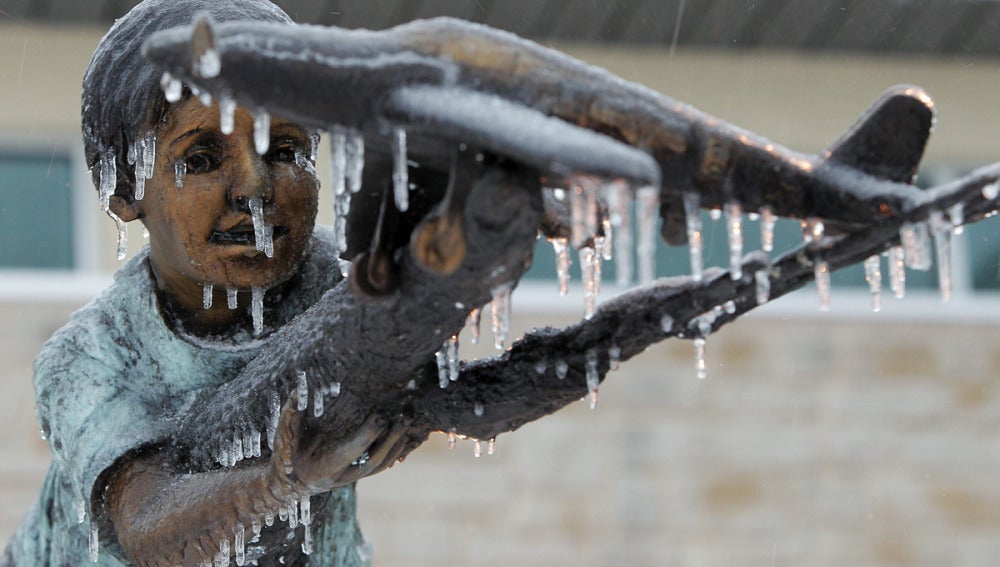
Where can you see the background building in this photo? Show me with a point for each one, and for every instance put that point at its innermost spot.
(818, 439)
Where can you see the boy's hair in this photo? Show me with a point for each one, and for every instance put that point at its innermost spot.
(122, 97)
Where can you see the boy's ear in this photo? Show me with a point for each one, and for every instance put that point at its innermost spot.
(126, 209)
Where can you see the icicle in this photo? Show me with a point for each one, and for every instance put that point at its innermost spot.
(500, 306)
(767, 222)
(255, 442)
(355, 160)
(614, 356)
(333, 389)
(813, 230)
(223, 456)
(145, 233)
(180, 171)
(302, 390)
(400, 175)
(255, 527)
(261, 131)
(699, 358)
(991, 191)
(692, 203)
(583, 212)
(307, 540)
(540, 367)
(942, 230)
(667, 323)
(442, 364)
(274, 405)
(148, 156)
(873, 275)
(621, 222)
(342, 206)
(491, 447)
(338, 159)
(590, 268)
(121, 248)
(222, 558)
(649, 203)
(209, 64)
(561, 247)
(237, 448)
(822, 273)
(138, 152)
(227, 115)
(94, 542)
(477, 449)
(897, 271)
(269, 519)
(109, 179)
(915, 240)
(263, 231)
(763, 281)
(257, 309)
(478, 409)
(293, 513)
(283, 514)
(81, 509)
(604, 244)
(593, 377)
(561, 369)
(956, 214)
(734, 229)
(451, 352)
(474, 317)
(729, 307)
(452, 439)
(239, 546)
(317, 402)
(231, 297)
(173, 89)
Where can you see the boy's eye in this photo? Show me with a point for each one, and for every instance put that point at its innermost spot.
(282, 153)
(201, 162)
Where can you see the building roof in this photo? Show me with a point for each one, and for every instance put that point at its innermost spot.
(903, 27)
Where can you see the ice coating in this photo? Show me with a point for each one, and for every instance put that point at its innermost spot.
(956, 215)
(257, 309)
(400, 173)
(734, 231)
(942, 231)
(302, 390)
(474, 319)
(206, 295)
(500, 306)
(561, 248)
(767, 222)
(593, 377)
(821, 271)
(620, 209)
(692, 203)
(763, 282)
(649, 204)
(897, 271)
(873, 275)
(227, 115)
(261, 131)
(172, 87)
(916, 245)
(93, 542)
(231, 297)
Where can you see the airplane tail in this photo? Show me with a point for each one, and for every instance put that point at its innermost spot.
(888, 140)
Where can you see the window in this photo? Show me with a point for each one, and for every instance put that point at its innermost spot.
(37, 223)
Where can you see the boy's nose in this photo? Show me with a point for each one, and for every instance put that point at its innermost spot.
(253, 180)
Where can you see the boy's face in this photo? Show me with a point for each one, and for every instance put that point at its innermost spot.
(202, 231)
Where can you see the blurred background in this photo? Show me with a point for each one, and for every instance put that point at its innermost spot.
(838, 438)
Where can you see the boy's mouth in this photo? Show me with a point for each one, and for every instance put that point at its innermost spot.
(242, 235)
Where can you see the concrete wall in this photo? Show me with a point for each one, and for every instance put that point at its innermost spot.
(820, 440)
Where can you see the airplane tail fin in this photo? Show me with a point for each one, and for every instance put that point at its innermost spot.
(888, 140)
